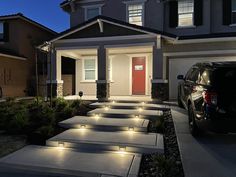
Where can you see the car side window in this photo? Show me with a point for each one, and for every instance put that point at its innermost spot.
(187, 76)
(193, 75)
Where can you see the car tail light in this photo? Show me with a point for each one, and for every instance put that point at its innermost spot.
(210, 97)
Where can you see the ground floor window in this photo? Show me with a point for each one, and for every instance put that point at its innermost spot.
(90, 69)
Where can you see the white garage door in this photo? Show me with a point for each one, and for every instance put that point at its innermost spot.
(180, 66)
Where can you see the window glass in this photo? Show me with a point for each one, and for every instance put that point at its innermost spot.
(1, 30)
(192, 75)
(136, 14)
(233, 11)
(185, 12)
(89, 69)
(92, 12)
(205, 78)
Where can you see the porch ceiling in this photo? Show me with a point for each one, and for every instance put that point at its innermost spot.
(130, 50)
(77, 53)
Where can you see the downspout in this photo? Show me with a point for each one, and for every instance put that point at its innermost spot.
(36, 75)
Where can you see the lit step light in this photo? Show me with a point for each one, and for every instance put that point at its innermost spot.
(61, 145)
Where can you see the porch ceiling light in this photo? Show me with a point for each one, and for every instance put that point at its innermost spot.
(143, 103)
(113, 102)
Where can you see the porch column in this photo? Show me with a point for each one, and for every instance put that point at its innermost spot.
(159, 84)
(54, 82)
(103, 85)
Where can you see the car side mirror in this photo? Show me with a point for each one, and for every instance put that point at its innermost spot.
(180, 77)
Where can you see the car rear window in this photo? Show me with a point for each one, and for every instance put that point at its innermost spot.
(225, 79)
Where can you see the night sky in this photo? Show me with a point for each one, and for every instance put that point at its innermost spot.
(46, 12)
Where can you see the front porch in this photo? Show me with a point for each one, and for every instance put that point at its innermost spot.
(111, 98)
(114, 60)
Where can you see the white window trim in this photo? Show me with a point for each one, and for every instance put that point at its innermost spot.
(83, 70)
(232, 11)
(186, 26)
(99, 6)
(111, 75)
(137, 2)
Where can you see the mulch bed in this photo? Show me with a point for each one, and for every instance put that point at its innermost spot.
(169, 164)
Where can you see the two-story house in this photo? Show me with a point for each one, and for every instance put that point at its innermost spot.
(138, 47)
(19, 36)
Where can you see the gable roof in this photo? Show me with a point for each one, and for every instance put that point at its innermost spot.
(109, 21)
(22, 17)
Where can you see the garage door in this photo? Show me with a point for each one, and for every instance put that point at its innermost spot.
(180, 66)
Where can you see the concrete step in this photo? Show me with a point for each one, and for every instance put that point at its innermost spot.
(126, 113)
(106, 124)
(129, 141)
(118, 105)
(62, 161)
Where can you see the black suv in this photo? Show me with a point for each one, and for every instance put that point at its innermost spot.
(208, 92)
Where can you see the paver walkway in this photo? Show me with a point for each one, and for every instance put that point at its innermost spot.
(91, 152)
(212, 155)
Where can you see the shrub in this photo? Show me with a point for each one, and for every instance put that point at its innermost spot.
(13, 117)
(40, 115)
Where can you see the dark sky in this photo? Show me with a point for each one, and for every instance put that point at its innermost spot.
(46, 12)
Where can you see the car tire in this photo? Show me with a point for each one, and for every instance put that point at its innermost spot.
(194, 130)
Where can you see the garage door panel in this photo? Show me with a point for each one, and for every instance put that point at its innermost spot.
(180, 66)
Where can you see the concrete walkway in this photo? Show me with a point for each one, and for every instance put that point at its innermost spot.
(105, 124)
(91, 152)
(212, 155)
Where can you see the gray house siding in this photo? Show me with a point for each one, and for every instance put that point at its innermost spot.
(116, 9)
(203, 29)
(217, 19)
(157, 16)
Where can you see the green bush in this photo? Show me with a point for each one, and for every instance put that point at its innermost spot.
(13, 117)
(40, 115)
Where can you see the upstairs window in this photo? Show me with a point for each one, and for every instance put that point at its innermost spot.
(136, 14)
(92, 11)
(90, 69)
(185, 13)
(1, 31)
(233, 21)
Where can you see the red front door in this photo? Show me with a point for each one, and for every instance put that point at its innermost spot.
(138, 75)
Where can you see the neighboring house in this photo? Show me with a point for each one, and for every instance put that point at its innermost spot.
(138, 47)
(18, 37)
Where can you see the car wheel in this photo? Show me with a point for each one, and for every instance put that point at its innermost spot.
(194, 130)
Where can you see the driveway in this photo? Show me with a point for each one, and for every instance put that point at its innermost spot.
(212, 155)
